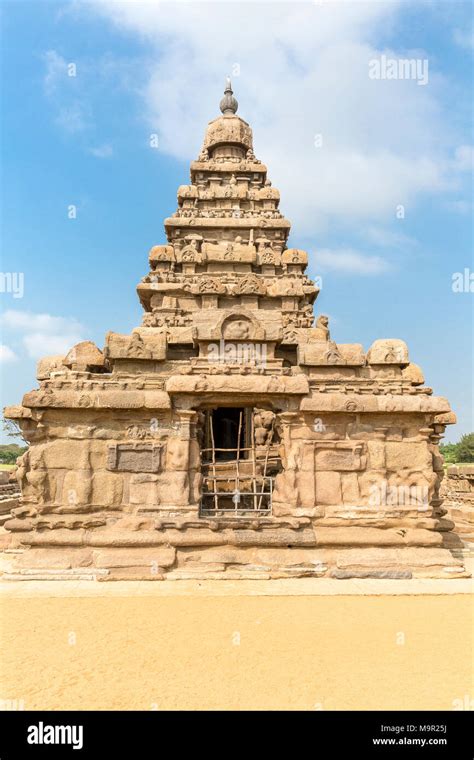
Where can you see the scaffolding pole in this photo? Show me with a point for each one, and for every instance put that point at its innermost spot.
(254, 471)
(237, 471)
(216, 499)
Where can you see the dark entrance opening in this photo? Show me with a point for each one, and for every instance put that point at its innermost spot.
(226, 423)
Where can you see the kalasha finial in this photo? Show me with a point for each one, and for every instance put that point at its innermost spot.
(228, 104)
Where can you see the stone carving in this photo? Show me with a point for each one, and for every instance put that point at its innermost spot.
(136, 346)
(294, 256)
(190, 253)
(286, 286)
(290, 335)
(264, 421)
(211, 285)
(227, 250)
(250, 285)
(337, 451)
(321, 332)
(333, 356)
(228, 131)
(267, 257)
(236, 328)
(388, 352)
(135, 431)
(302, 318)
(157, 319)
(237, 325)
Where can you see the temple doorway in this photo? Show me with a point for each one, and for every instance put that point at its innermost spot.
(239, 461)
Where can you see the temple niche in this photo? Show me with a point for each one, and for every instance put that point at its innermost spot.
(229, 435)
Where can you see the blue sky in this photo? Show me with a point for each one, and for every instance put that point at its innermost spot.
(346, 152)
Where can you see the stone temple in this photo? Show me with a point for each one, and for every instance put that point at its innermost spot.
(229, 436)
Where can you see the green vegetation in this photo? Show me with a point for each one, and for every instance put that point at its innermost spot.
(9, 452)
(457, 453)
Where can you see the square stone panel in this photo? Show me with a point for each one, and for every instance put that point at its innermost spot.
(338, 457)
(139, 457)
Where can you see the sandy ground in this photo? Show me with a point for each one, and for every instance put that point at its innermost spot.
(246, 645)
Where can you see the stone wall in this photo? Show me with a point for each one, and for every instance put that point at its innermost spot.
(117, 496)
(458, 494)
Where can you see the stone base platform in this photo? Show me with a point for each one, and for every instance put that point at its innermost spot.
(163, 563)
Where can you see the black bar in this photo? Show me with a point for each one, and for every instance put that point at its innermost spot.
(318, 734)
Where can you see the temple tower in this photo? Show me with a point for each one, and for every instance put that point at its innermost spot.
(228, 435)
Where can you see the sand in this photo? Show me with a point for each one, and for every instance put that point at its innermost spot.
(171, 646)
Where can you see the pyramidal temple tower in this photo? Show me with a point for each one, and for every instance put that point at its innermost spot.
(229, 436)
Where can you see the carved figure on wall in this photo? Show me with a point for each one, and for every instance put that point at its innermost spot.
(190, 253)
(21, 470)
(136, 347)
(137, 432)
(263, 421)
(322, 326)
(236, 328)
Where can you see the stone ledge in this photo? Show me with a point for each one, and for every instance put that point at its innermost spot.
(353, 403)
(287, 587)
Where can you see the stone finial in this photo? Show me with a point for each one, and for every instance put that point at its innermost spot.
(228, 104)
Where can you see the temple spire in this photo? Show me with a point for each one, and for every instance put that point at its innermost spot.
(228, 104)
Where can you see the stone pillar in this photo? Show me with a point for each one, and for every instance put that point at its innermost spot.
(285, 495)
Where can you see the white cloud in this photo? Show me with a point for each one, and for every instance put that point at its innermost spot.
(43, 334)
(56, 69)
(460, 206)
(63, 89)
(464, 158)
(25, 320)
(6, 354)
(40, 344)
(302, 71)
(348, 261)
(102, 151)
(389, 238)
(72, 118)
(464, 38)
